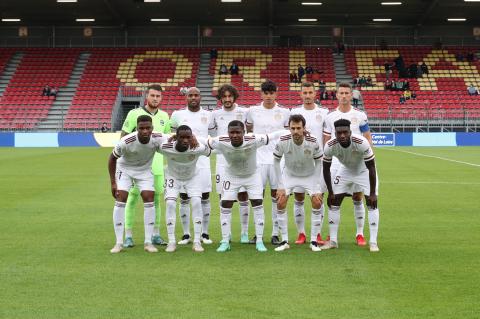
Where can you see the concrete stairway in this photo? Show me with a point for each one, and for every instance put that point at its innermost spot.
(341, 73)
(59, 109)
(205, 82)
(10, 69)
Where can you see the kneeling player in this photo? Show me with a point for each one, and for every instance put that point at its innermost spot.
(303, 171)
(129, 163)
(183, 176)
(357, 175)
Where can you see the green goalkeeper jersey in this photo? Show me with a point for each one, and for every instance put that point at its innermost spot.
(161, 124)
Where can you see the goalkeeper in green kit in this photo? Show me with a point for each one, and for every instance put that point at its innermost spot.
(161, 124)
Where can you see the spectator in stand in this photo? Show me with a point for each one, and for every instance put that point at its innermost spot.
(322, 86)
(46, 90)
(333, 94)
(414, 95)
(470, 57)
(324, 96)
(424, 68)
(400, 66)
(407, 95)
(388, 70)
(234, 69)
(388, 85)
(402, 99)
(301, 72)
(293, 77)
(309, 69)
(104, 128)
(472, 90)
(316, 76)
(362, 81)
(413, 70)
(53, 92)
(223, 69)
(369, 81)
(406, 85)
(213, 53)
(459, 56)
(339, 47)
(356, 96)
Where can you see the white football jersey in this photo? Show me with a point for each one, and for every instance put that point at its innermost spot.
(183, 165)
(265, 121)
(299, 159)
(200, 122)
(353, 157)
(222, 118)
(135, 156)
(358, 121)
(314, 118)
(242, 160)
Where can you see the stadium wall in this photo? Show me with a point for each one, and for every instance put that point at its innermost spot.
(74, 139)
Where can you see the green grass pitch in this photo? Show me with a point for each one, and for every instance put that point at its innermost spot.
(56, 232)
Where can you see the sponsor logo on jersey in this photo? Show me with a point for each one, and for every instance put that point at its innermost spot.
(307, 152)
(204, 120)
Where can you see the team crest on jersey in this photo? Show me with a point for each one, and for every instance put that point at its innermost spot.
(191, 157)
(239, 116)
(354, 120)
(204, 120)
(307, 152)
(319, 117)
(162, 122)
(278, 117)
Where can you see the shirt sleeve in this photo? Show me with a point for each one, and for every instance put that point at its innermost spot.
(278, 151)
(327, 153)
(204, 150)
(173, 121)
(317, 152)
(363, 125)
(118, 150)
(249, 120)
(327, 129)
(261, 139)
(286, 115)
(130, 123)
(213, 143)
(368, 154)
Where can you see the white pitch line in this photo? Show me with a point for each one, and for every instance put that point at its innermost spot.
(428, 182)
(437, 157)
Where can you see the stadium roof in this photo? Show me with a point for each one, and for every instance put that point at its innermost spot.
(253, 12)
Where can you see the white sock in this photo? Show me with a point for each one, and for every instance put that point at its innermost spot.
(226, 223)
(171, 219)
(334, 222)
(198, 216)
(206, 215)
(128, 233)
(283, 224)
(373, 221)
(274, 217)
(316, 223)
(119, 221)
(359, 211)
(185, 215)
(244, 212)
(259, 216)
(299, 212)
(156, 231)
(148, 220)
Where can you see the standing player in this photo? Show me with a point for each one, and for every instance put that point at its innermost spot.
(129, 163)
(315, 116)
(227, 95)
(160, 124)
(359, 125)
(356, 175)
(240, 152)
(201, 122)
(302, 173)
(183, 175)
(263, 119)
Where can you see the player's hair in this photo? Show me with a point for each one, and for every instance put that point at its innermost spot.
(236, 123)
(184, 128)
(269, 86)
(227, 88)
(297, 118)
(144, 118)
(344, 85)
(341, 122)
(156, 87)
(307, 84)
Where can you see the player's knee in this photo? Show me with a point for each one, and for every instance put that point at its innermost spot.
(273, 193)
(205, 196)
(121, 196)
(256, 202)
(184, 196)
(226, 203)
(148, 196)
(299, 197)
(242, 196)
(357, 196)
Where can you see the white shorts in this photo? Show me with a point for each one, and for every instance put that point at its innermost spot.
(346, 182)
(338, 167)
(192, 187)
(219, 178)
(267, 172)
(126, 179)
(251, 184)
(307, 184)
(206, 180)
